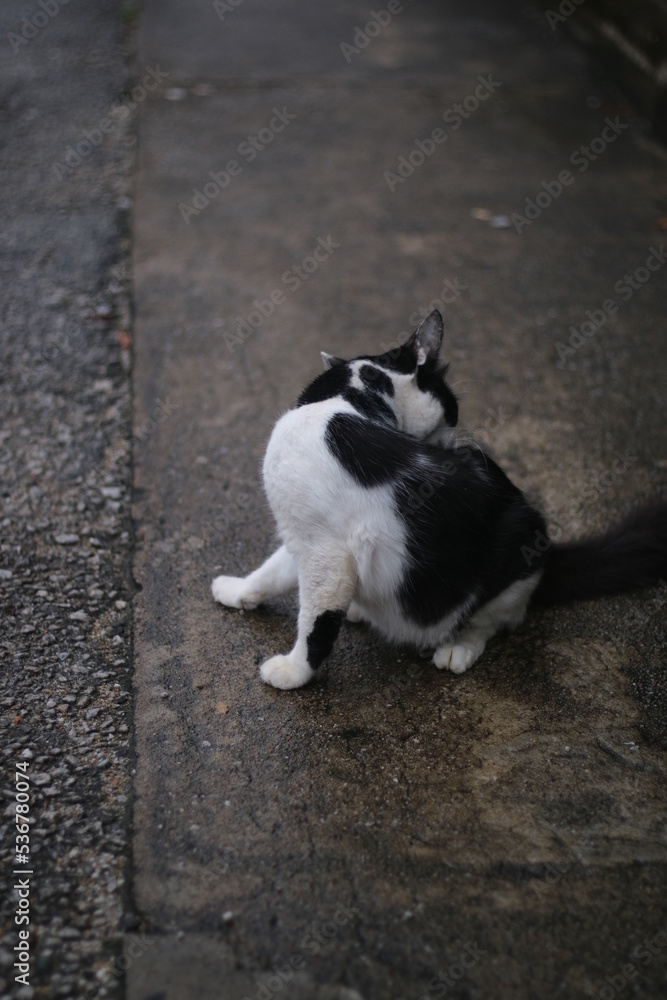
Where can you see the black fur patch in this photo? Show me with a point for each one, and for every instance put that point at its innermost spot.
(431, 378)
(323, 636)
(327, 385)
(376, 380)
(401, 359)
(466, 524)
(369, 404)
(372, 454)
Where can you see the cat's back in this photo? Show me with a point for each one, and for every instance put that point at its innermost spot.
(296, 447)
(301, 476)
(309, 489)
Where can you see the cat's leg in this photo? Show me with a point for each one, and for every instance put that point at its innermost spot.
(276, 576)
(506, 611)
(326, 583)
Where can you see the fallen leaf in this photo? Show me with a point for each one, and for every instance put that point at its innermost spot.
(221, 708)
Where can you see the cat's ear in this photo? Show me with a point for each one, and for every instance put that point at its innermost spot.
(330, 361)
(427, 338)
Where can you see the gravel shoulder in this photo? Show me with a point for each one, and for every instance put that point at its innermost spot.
(66, 77)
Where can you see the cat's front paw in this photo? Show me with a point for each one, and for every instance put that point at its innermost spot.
(457, 657)
(232, 592)
(284, 673)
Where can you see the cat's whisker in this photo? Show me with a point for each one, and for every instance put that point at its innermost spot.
(466, 381)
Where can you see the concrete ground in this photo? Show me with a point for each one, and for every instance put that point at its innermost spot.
(391, 831)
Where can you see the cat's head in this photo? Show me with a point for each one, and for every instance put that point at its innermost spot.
(408, 381)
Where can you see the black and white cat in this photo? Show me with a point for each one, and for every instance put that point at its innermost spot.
(385, 517)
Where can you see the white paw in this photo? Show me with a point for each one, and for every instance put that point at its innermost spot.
(458, 657)
(354, 613)
(231, 591)
(282, 672)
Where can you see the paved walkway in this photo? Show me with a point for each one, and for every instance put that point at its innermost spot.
(314, 177)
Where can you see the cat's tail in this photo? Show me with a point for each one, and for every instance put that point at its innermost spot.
(629, 556)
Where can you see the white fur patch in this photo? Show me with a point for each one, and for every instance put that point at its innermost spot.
(419, 413)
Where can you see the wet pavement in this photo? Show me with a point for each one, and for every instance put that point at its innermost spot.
(308, 180)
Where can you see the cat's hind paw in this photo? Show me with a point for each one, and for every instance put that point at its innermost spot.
(457, 657)
(354, 613)
(232, 592)
(284, 673)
